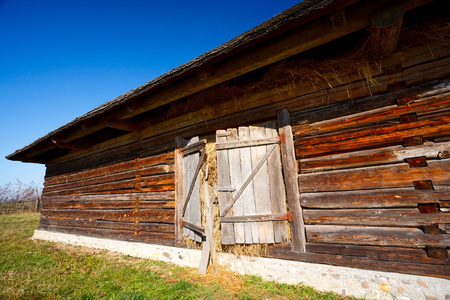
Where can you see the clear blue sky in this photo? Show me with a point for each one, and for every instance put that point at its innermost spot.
(62, 58)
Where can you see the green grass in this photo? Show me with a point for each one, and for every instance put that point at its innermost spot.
(43, 270)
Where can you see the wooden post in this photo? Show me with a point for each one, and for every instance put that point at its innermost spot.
(179, 185)
(290, 178)
(385, 26)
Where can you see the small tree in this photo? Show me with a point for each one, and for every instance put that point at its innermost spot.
(19, 197)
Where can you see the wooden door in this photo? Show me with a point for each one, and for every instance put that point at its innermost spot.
(252, 202)
(190, 207)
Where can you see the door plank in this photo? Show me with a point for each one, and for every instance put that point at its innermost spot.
(261, 185)
(223, 174)
(277, 196)
(251, 228)
(236, 180)
(193, 210)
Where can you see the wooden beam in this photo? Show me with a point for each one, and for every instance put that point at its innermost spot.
(179, 185)
(124, 125)
(70, 146)
(385, 26)
(290, 175)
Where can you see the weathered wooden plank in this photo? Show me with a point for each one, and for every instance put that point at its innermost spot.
(276, 187)
(247, 143)
(375, 116)
(290, 178)
(167, 195)
(180, 143)
(147, 237)
(384, 198)
(394, 217)
(194, 147)
(106, 204)
(379, 177)
(380, 236)
(386, 155)
(150, 227)
(223, 174)
(236, 180)
(371, 137)
(394, 254)
(124, 215)
(251, 229)
(147, 182)
(192, 213)
(114, 168)
(255, 218)
(111, 178)
(261, 184)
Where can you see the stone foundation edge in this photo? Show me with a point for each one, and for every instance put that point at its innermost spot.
(365, 284)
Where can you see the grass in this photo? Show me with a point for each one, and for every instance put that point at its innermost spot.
(43, 270)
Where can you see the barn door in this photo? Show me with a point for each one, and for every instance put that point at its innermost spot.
(252, 202)
(193, 155)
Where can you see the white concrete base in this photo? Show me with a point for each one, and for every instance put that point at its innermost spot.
(345, 281)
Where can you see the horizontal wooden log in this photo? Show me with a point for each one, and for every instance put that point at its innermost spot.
(130, 184)
(361, 262)
(375, 116)
(249, 143)
(379, 156)
(99, 180)
(107, 204)
(124, 215)
(371, 137)
(390, 176)
(194, 147)
(150, 227)
(255, 218)
(379, 236)
(394, 254)
(384, 198)
(112, 197)
(147, 237)
(394, 217)
(113, 168)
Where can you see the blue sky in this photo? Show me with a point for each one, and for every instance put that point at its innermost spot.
(62, 58)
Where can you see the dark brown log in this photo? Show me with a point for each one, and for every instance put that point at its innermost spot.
(180, 143)
(114, 168)
(390, 176)
(405, 217)
(396, 197)
(378, 236)
(145, 215)
(406, 267)
(150, 227)
(385, 25)
(290, 173)
(152, 237)
(374, 116)
(437, 252)
(371, 157)
(423, 185)
(430, 208)
(394, 254)
(107, 204)
(417, 162)
(126, 125)
(371, 137)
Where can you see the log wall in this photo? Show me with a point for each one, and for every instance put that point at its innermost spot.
(130, 200)
(374, 180)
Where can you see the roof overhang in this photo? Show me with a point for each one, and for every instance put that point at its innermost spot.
(300, 28)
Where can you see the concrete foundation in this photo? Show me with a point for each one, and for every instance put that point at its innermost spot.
(345, 281)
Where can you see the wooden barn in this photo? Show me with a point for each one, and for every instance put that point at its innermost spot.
(320, 136)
